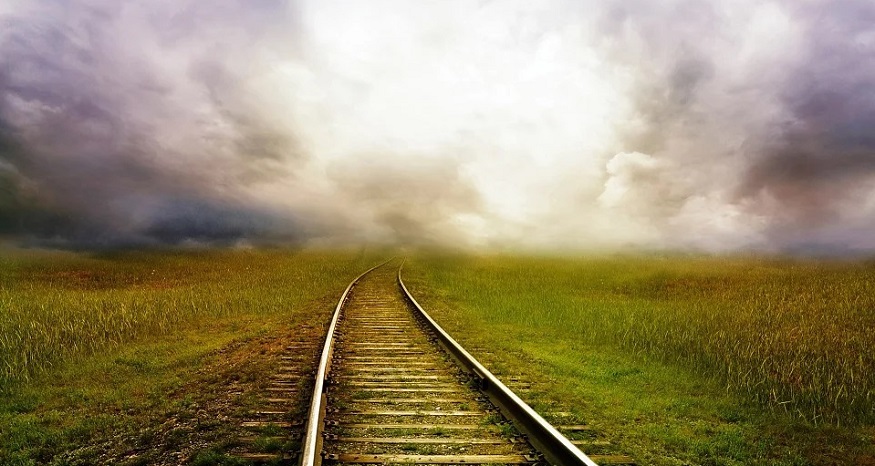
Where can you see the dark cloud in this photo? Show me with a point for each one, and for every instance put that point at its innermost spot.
(83, 159)
(821, 162)
(179, 220)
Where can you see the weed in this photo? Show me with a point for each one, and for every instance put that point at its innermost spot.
(268, 444)
(215, 458)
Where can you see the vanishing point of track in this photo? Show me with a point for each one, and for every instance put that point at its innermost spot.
(391, 386)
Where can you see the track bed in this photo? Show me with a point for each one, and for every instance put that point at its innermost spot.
(394, 396)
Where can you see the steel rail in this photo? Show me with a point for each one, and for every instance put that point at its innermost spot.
(312, 447)
(555, 447)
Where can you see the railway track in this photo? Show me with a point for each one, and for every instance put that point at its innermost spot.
(392, 387)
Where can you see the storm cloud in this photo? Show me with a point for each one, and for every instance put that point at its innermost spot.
(554, 125)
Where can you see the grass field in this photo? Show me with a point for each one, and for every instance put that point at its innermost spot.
(680, 359)
(94, 346)
(675, 360)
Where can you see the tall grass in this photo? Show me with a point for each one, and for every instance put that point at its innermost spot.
(796, 335)
(54, 306)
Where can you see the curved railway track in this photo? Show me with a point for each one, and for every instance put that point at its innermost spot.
(391, 386)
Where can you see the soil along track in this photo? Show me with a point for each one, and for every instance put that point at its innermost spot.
(394, 396)
(272, 432)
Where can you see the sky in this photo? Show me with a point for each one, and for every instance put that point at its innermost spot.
(553, 125)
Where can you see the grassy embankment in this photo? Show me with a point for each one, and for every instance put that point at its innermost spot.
(96, 347)
(729, 361)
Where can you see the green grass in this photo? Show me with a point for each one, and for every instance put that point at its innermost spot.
(98, 351)
(79, 405)
(709, 360)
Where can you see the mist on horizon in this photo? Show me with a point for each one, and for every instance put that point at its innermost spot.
(560, 125)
